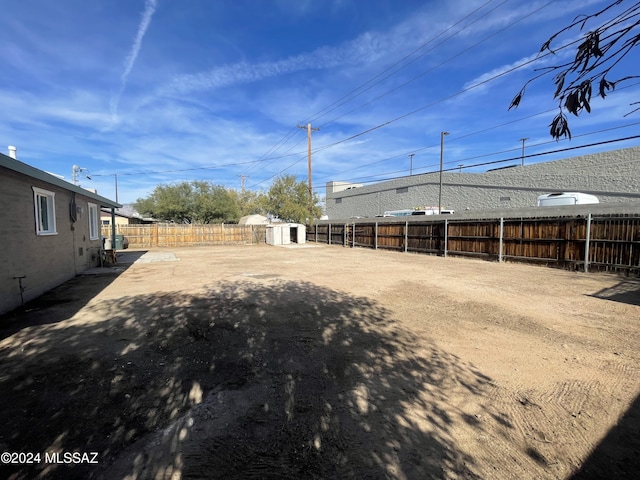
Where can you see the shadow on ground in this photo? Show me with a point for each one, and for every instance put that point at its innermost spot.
(64, 301)
(616, 457)
(255, 379)
(627, 291)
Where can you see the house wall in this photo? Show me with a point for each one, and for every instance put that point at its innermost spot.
(612, 176)
(45, 261)
(105, 219)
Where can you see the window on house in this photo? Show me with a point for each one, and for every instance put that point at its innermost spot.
(45, 211)
(338, 200)
(93, 221)
(402, 190)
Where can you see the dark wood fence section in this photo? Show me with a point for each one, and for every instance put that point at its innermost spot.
(600, 243)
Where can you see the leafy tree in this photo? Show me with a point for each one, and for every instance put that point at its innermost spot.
(598, 54)
(190, 202)
(215, 204)
(251, 203)
(288, 200)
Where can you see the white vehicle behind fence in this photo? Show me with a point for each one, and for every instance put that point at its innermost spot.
(566, 198)
(398, 213)
(415, 211)
(432, 211)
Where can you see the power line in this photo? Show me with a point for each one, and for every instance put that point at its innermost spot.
(411, 80)
(510, 159)
(465, 159)
(371, 82)
(289, 134)
(214, 167)
(471, 87)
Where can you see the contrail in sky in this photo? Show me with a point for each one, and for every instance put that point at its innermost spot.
(149, 9)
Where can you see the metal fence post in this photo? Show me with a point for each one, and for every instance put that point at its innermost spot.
(586, 244)
(446, 236)
(501, 236)
(353, 235)
(344, 235)
(406, 235)
(375, 240)
(329, 234)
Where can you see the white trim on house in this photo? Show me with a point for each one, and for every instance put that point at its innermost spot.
(45, 211)
(94, 228)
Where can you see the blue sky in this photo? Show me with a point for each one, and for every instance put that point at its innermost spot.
(163, 91)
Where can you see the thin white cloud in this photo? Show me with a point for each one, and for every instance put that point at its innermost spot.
(79, 107)
(498, 72)
(149, 9)
(366, 48)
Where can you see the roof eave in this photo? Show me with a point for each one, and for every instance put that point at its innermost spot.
(28, 170)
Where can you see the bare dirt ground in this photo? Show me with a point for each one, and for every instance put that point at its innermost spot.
(324, 362)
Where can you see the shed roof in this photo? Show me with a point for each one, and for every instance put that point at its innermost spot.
(253, 220)
(24, 169)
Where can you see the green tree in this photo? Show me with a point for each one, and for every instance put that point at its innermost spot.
(251, 203)
(598, 55)
(190, 202)
(288, 200)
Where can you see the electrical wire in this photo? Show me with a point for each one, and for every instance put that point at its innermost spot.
(458, 160)
(271, 159)
(510, 159)
(371, 82)
(424, 107)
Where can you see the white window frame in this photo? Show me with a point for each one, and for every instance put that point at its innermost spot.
(94, 229)
(45, 218)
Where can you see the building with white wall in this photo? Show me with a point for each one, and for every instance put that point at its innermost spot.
(612, 176)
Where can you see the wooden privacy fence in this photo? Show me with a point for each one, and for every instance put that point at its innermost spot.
(603, 243)
(178, 235)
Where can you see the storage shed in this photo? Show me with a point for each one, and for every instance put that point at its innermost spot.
(285, 233)
(254, 220)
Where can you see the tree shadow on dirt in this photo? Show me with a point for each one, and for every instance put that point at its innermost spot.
(65, 300)
(626, 291)
(255, 379)
(618, 454)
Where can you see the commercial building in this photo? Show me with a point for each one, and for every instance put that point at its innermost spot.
(612, 176)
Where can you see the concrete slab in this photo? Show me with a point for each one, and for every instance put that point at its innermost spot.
(103, 271)
(151, 257)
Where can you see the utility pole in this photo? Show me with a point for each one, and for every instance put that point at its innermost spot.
(411, 163)
(309, 129)
(442, 135)
(242, 179)
(523, 140)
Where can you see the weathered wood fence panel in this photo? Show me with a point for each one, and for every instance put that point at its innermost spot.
(604, 243)
(363, 236)
(176, 235)
(424, 237)
(615, 243)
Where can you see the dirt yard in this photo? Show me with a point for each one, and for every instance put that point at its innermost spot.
(323, 362)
